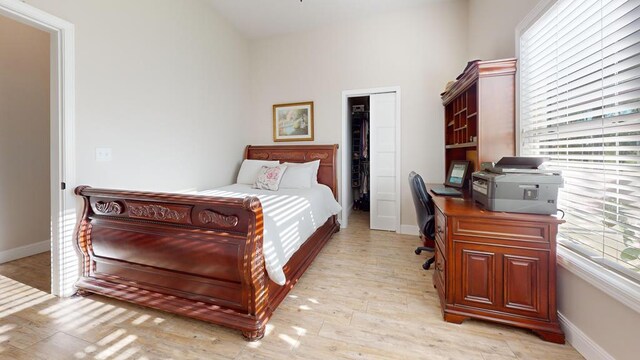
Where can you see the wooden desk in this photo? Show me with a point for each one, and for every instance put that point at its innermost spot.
(496, 266)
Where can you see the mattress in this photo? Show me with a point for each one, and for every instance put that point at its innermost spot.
(291, 216)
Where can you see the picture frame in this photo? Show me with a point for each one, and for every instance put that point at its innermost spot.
(293, 122)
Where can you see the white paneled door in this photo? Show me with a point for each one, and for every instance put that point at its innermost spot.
(383, 197)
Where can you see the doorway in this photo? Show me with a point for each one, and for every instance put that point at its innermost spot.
(24, 153)
(371, 156)
(64, 263)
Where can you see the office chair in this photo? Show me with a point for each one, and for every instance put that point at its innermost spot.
(425, 213)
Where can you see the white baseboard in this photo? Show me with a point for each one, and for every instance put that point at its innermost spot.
(345, 224)
(409, 230)
(24, 251)
(581, 342)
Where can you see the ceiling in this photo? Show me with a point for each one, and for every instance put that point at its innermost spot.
(264, 18)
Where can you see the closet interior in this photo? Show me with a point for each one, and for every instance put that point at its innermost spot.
(360, 152)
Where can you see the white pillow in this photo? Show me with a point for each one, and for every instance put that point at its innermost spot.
(314, 165)
(269, 177)
(250, 168)
(297, 177)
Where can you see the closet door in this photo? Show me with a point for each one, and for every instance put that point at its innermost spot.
(383, 193)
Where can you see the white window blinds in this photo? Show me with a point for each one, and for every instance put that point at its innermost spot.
(580, 107)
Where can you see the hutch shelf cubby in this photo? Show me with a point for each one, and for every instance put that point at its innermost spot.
(480, 113)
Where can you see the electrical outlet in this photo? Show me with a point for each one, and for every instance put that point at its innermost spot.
(103, 154)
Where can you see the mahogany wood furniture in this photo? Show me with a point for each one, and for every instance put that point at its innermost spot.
(197, 256)
(480, 113)
(496, 266)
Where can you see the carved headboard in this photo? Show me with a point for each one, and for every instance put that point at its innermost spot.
(327, 174)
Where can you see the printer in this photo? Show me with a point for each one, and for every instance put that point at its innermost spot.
(517, 184)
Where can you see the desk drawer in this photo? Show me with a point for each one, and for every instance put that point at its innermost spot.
(441, 229)
(497, 231)
(440, 243)
(440, 266)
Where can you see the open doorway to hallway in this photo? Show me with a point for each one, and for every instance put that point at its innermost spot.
(62, 181)
(25, 150)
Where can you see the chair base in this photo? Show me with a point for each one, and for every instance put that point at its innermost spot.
(427, 264)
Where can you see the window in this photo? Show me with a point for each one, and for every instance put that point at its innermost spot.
(580, 107)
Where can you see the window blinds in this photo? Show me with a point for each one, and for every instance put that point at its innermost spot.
(580, 107)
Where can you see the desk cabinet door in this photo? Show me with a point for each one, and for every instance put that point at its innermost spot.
(526, 283)
(476, 268)
(499, 278)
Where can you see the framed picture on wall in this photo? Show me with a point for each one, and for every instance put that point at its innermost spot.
(293, 122)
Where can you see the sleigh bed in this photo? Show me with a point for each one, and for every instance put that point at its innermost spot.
(192, 255)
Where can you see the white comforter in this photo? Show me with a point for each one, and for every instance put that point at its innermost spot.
(290, 217)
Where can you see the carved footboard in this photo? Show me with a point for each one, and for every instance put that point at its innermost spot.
(192, 255)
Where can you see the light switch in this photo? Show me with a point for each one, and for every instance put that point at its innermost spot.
(103, 154)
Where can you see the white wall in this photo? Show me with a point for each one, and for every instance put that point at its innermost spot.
(492, 24)
(418, 50)
(607, 322)
(24, 140)
(163, 83)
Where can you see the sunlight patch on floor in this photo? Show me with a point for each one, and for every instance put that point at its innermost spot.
(17, 297)
(6, 327)
(113, 349)
(300, 331)
(289, 340)
(76, 315)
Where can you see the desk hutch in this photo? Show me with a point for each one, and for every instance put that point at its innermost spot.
(480, 113)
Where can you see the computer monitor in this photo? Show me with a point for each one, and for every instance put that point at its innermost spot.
(458, 173)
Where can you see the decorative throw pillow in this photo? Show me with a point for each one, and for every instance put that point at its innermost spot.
(250, 168)
(269, 177)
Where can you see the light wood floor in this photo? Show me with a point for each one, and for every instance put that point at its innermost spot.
(365, 297)
(33, 270)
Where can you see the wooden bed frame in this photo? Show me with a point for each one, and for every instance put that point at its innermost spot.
(197, 256)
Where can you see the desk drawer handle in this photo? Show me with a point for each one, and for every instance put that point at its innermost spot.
(439, 267)
(439, 230)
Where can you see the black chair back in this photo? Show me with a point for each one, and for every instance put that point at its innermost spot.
(424, 205)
